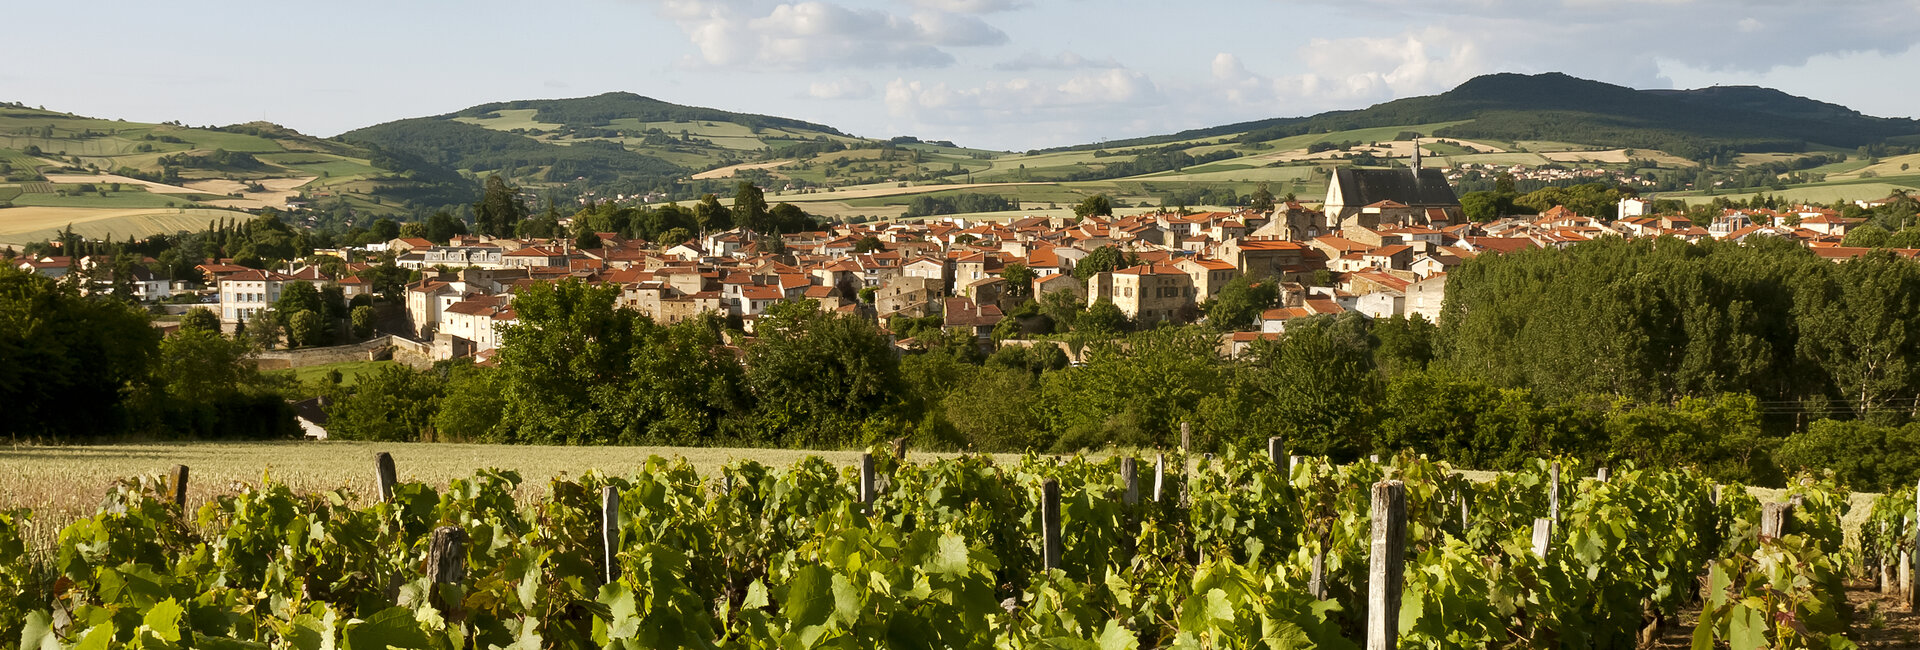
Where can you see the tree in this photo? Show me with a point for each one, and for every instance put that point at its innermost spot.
(393, 404)
(708, 214)
(749, 207)
(1262, 199)
(296, 297)
(868, 244)
(1102, 260)
(308, 329)
(1063, 308)
(1103, 318)
(364, 319)
(819, 376)
(384, 230)
(1019, 280)
(1315, 386)
(499, 212)
(1097, 205)
(200, 319)
(588, 240)
(1239, 304)
(75, 358)
(472, 408)
(199, 366)
(441, 227)
(997, 410)
(1405, 343)
(266, 329)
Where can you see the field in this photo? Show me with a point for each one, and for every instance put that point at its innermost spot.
(23, 225)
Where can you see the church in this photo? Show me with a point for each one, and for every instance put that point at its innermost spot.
(1374, 198)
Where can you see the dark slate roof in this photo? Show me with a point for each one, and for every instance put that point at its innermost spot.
(1365, 186)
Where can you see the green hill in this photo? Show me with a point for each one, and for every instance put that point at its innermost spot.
(1690, 123)
(56, 160)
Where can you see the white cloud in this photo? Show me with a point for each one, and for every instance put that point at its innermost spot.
(842, 88)
(816, 35)
(1061, 61)
(972, 6)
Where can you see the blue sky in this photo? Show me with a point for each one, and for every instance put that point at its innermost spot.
(1008, 74)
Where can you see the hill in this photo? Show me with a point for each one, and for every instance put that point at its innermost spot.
(1695, 124)
(58, 161)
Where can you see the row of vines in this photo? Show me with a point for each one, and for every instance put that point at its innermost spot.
(947, 555)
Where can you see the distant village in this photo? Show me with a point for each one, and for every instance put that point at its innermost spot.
(1380, 244)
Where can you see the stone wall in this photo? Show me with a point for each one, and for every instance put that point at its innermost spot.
(371, 350)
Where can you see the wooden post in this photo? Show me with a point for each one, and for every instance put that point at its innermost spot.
(1317, 581)
(1274, 453)
(1464, 520)
(1542, 536)
(1886, 566)
(1293, 462)
(447, 565)
(1386, 565)
(1159, 476)
(179, 488)
(1373, 458)
(1050, 524)
(1601, 475)
(1130, 477)
(900, 450)
(610, 531)
(1906, 565)
(384, 475)
(866, 481)
(1186, 438)
(1553, 491)
(1773, 519)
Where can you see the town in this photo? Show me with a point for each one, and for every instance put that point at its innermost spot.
(1380, 244)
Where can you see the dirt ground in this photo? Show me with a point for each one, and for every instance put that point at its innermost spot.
(1879, 621)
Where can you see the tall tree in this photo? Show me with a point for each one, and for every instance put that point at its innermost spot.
(750, 207)
(500, 211)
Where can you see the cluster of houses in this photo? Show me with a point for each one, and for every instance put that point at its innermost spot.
(1381, 244)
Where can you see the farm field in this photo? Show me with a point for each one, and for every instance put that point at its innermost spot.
(23, 225)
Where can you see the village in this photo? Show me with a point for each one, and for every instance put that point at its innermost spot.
(1380, 244)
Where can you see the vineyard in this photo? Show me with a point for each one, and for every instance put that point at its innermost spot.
(1238, 552)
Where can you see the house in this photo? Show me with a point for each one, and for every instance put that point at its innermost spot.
(1208, 275)
(963, 314)
(245, 295)
(1425, 297)
(1149, 292)
(1274, 321)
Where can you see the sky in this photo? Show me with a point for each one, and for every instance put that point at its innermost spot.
(999, 74)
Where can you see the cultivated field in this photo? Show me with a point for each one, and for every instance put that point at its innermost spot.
(24, 225)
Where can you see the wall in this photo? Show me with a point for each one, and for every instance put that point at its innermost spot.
(374, 349)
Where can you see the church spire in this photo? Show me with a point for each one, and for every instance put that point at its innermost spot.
(1416, 159)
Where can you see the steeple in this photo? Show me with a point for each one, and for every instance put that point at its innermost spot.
(1416, 159)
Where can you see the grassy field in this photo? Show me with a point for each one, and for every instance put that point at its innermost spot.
(23, 225)
(350, 371)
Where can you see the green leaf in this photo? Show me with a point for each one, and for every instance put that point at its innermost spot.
(164, 620)
(393, 627)
(1117, 638)
(38, 633)
(846, 601)
(950, 556)
(756, 596)
(809, 597)
(1748, 630)
(98, 637)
